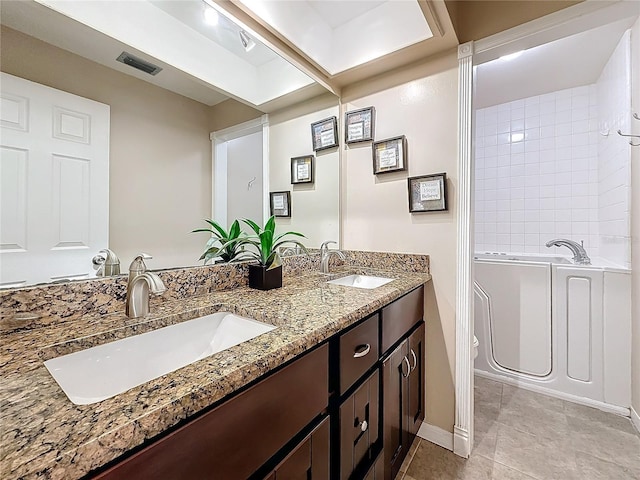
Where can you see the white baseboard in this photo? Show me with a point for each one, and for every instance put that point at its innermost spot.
(436, 435)
(635, 419)
(605, 407)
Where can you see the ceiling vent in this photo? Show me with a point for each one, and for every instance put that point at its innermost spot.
(138, 63)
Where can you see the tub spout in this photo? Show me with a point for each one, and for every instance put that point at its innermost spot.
(580, 256)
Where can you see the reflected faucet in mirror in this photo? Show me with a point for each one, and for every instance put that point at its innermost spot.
(107, 262)
(141, 283)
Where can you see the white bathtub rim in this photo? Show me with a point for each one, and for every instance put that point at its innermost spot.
(597, 263)
(605, 407)
(635, 419)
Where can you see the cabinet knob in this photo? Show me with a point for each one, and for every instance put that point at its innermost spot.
(405, 360)
(415, 360)
(361, 350)
(363, 425)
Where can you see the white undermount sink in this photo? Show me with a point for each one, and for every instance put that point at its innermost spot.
(361, 281)
(101, 372)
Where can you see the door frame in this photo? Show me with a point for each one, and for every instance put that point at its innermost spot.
(219, 140)
(578, 18)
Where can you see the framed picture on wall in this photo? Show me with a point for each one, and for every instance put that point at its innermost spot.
(324, 134)
(358, 125)
(302, 169)
(280, 204)
(390, 155)
(428, 193)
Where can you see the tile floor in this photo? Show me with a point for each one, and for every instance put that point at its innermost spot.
(521, 435)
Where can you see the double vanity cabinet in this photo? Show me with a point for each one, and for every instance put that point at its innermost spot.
(348, 409)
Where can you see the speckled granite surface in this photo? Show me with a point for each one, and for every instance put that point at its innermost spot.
(43, 435)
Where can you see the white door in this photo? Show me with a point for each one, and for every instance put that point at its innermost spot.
(54, 183)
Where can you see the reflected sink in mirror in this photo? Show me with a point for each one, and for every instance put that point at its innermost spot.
(361, 281)
(101, 372)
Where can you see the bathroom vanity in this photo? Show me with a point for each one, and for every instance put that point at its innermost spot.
(336, 390)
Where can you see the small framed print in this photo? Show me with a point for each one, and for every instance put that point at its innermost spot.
(358, 125)
(428, 193)
(325, 133)
(390, 155)
(280, 204)
(302, 169)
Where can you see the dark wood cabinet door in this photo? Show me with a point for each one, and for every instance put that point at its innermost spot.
(395, 371)
(309, 460)
(415, 382)
(359, 426)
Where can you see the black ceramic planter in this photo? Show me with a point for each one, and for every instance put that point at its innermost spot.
(263, 279)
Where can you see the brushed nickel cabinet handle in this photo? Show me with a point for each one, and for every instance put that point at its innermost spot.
(415, 360)
(406, 360)
(363, 425)
(361, 350)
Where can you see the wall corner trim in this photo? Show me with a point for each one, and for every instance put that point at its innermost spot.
(463, 428)
(436, 435)
(635, 419)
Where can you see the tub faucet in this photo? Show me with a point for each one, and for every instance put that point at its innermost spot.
(580, 256)
(325, 255)
(141, 284)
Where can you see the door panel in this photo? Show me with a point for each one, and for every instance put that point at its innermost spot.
(395, 406)
(415, 382)
(54, 161)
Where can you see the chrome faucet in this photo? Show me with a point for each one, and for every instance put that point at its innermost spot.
(141, 283)
(580, 256)
(325, 255)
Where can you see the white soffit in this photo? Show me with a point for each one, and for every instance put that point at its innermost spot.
(341, 34)
(565, 63)
(166, 35)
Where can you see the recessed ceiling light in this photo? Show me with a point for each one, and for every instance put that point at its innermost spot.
(210, 15)
(511, 56)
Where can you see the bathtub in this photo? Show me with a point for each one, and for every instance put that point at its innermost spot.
(548, 325)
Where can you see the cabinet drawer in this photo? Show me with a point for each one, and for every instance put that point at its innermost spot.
(399, 316)
(358, 351)
(260, 420)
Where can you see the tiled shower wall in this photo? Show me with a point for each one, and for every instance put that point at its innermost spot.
(546, 168)
(536, 172)
(614, 156)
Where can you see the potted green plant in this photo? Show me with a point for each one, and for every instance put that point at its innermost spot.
(268, 273)
(222, 244)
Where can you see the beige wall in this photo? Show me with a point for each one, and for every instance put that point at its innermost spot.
(476, 19)
(229, 113)
(160, 153)
(375, 208)
(635, 221)
(315, 208)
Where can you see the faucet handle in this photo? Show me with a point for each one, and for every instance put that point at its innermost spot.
(137, 265)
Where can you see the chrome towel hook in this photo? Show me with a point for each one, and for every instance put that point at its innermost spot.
(635, 115)
(632, 136)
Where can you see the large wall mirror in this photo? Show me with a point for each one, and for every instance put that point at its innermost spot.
(150, 132)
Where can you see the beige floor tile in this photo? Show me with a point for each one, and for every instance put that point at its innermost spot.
(543, 423)
(487, 391)
(410, 454)
(593, 468)
(514, 397)
(502, 472)
(407, 477)
(485, 434)
(605, 443)
(432, 462)
(540, 458)
(594, 415)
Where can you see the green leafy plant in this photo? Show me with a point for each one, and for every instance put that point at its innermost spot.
(266, 242)
(222, 244)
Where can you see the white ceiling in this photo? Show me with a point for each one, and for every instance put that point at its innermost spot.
(336, 13)
(565, 63)
(339, 35)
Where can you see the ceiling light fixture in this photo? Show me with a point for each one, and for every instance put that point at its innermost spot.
(211, 16)
(247, 41)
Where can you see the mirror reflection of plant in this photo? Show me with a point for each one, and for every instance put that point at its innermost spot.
(228, 248)
(266, 242)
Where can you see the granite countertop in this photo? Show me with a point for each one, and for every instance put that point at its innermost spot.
(44, 435)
